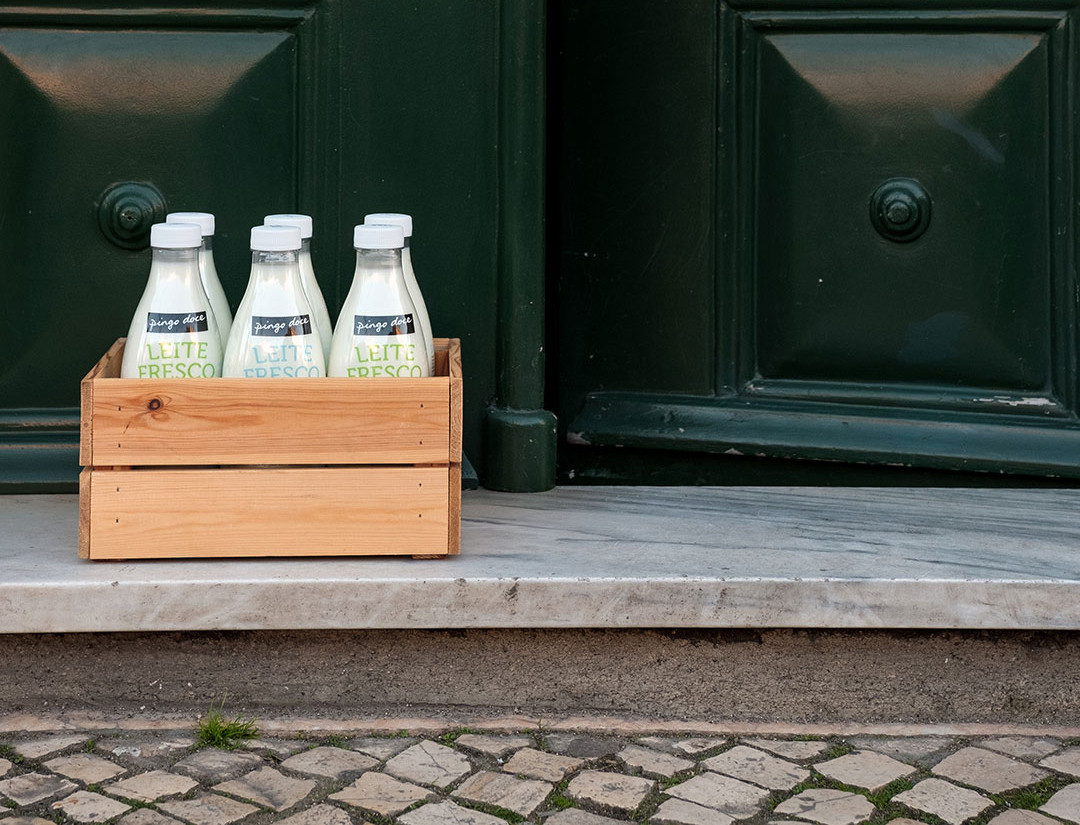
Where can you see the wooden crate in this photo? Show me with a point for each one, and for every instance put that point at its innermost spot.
(231, 467)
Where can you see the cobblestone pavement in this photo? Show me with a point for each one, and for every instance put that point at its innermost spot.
(532, 775)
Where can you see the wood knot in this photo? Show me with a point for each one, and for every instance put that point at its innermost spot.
(155, 404)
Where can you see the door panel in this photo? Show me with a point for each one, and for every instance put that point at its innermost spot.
(966, 115)
(334, 108)
(91, 109)
(892, 255)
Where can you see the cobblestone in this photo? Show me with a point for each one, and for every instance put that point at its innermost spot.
(149, 787)
(449, 813)
(1022, 747)
(987, 770)
(212, 765)
(522, 796)
(540, 765)
(864, 769)
(34, 787)
(610, 790)
(269, 788)
(84, 767)
(209, 809)
(944, 800)
(319, 815)
(738, 800)
(147, 816)
(828, 806)
(653, 763)
(1065, 804)
(40, 748)
(915, 750)
(381, 794)
(789, 749)
(681, 812)
(429, 763)
(493, 745)
(758, 767)
(329, 762)
(86, 806)
(1068, 761)
(477, 778)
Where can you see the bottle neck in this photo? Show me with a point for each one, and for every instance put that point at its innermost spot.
(305, 246)
(208, 243)
(175, 262)
(378, 263)
(274, 262)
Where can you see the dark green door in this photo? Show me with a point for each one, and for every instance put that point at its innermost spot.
(814, 231)
(117, 113)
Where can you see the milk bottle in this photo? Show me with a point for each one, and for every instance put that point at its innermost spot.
(376, 334)
(207, 270)
(174, 333)
(423, 322)
(273, 335)
(320, 315)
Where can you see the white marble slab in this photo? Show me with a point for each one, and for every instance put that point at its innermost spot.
(600, 557)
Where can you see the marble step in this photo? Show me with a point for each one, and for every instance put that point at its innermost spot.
(600, 557)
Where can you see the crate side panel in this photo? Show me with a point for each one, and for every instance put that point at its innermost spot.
(238, 421)
(85, 518)
(300, 511)
(454, 544)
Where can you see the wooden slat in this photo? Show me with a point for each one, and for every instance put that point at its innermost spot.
(231, 421)
(107, 366)
(456, 399)
(238, 421)
(85, 518)
(300, 511)
(454, 543)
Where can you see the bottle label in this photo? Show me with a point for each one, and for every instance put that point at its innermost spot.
(280, 326)
(177, 322)
(384, 324)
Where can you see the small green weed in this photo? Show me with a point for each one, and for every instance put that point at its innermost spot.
(1033, 796)
(215, 731)
(450, 737)
(881, 798)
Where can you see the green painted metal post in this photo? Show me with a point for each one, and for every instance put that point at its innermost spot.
(521, 434)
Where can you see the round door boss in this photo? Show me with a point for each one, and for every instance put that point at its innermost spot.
(900, 209)
(126, 212)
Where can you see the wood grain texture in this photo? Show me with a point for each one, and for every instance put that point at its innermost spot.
(108, 366)
(454, 543)
(248, 512)
(85, 519)
(194, 422)
(456, 399)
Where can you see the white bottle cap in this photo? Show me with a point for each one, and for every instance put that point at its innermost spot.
(275, 238)
(204, 219)
(393, 219)
(378, 236)
(175, 236)
(301, 222)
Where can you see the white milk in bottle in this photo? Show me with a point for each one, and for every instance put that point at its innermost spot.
(376, 334)
(423, 322)
(207, 269)
(319, 313)
(273, 335)
(174, 333)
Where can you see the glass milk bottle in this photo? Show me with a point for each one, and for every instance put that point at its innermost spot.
(273, 335)
(320, 314)
(211, 283)
(376, 334)
(174, 333)
(423, 322)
